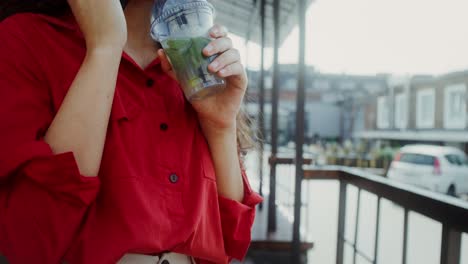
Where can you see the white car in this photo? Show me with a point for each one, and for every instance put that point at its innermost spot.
(437, 168)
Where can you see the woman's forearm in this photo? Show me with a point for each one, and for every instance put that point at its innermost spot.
(223, 147)
(80, 125)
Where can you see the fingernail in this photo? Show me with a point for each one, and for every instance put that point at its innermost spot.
(209, 48)
(215, 31)
(214, 65)
(222, 72)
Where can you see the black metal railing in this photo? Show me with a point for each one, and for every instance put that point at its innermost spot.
(448, 211)
(285, 186)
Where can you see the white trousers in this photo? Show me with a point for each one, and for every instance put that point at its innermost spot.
(166, 258)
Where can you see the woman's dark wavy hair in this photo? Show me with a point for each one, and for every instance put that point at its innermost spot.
(59, 7)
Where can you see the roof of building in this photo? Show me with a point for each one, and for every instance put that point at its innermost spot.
(242, 17)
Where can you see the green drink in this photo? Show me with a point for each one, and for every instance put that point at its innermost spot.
(181, 26)
(191, 66)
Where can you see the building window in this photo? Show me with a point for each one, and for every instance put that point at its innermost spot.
(383, 118)
(321, 84)
(347, 85)
(401, 111)
(455, 106)
(268, 82)
(290, 84)
(425, 109)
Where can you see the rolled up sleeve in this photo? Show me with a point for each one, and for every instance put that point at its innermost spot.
(43, 196)
(237, 219)
(42, 205)
(57, 174)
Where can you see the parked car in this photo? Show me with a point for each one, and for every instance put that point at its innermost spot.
(437, 168)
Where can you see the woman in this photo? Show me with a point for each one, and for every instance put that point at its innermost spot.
(102, 158)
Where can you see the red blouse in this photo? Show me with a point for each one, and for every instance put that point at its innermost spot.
(156, 190)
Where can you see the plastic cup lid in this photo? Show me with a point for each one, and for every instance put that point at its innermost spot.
(165, 8)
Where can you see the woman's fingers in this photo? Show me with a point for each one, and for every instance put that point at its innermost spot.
(221, 42)
(166, 66)
(235, 69)
(229, 57)
(218, 31)
(216, 46)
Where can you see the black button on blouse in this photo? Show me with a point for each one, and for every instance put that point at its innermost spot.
(149, 83)
(173, 178)
(163, 126)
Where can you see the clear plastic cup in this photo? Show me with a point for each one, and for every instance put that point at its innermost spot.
(182, 27)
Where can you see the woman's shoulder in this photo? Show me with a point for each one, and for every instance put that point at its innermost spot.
(31, 42)
(28, 25)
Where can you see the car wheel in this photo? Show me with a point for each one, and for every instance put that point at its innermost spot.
(451, 191)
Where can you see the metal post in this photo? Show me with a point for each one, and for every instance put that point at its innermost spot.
(261, 112)
(356, 225)
(341, 223)
(391, 104)
(377, 231)
(274, 119)
(450, 246)
(300, 116)
(405, 236)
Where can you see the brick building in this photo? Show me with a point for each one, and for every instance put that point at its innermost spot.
(421, 109)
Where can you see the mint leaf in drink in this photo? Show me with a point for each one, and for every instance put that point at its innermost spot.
(189, 63)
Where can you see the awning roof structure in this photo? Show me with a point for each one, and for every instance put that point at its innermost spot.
(242, 17)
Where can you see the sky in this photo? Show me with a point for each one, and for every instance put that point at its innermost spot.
(378, 36)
